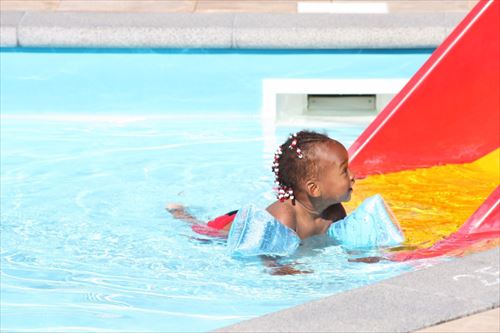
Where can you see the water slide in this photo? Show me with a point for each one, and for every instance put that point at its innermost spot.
(447, 114)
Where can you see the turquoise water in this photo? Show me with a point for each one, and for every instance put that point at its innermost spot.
(94, 144)
(186, 81)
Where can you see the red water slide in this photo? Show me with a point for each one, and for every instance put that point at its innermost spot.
(449, 112)
(483, 225)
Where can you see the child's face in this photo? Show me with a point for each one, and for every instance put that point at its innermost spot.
(335, 180)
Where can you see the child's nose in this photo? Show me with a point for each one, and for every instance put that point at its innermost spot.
(352, 176)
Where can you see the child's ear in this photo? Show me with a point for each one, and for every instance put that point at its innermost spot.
(313, 189)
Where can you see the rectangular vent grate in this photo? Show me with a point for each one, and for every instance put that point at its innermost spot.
(341, 104)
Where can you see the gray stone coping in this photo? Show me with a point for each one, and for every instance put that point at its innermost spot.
(402, 304)
(225, 30)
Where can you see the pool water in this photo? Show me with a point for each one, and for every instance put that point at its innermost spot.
(176, 81)
(90, 156)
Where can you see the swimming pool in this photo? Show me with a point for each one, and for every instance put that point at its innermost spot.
(93, 144)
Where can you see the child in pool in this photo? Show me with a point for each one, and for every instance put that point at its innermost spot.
(312, 178)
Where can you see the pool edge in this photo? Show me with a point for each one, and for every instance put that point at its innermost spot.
(225, 30)
(405, 303)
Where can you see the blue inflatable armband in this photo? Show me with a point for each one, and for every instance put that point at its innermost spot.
(372, 224)
(256, 232)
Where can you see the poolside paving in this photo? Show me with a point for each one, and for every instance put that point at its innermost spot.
(226, 30)
(487, 321)
(405, 303)
(217, 6)
(225, 24)
(19, 16)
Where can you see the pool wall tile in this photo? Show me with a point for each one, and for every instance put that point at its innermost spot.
(8, 28)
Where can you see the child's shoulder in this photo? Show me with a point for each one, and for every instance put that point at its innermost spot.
(284, 212)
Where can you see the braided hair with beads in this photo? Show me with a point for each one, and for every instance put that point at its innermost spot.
(295, 160)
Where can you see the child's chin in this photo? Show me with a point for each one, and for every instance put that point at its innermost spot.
(347, 197)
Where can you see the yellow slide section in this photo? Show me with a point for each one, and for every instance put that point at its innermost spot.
(431, 203)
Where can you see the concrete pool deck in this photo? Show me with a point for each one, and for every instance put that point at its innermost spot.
(213, 6)
(398, 29)
(405, 303)
(277, 24)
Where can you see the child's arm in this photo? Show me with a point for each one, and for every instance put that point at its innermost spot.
(367, 260)
(179, 212)
(278, 269)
